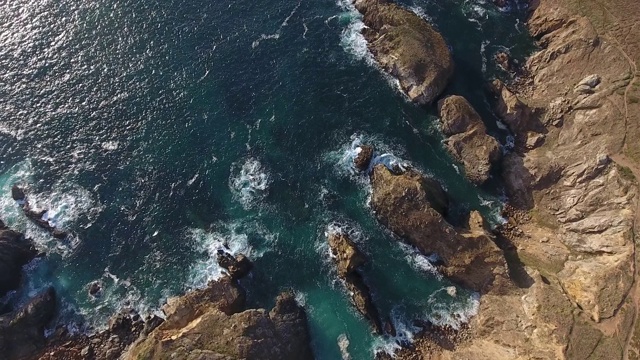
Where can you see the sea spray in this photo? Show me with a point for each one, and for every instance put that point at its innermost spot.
(249, 182)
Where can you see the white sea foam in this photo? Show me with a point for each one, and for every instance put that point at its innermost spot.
(420, 12)
(232, 238)
(249, 182)
(68, 206)
(405, 333)
(419, 261)
(343, 345)
(448, 313)
(276, 35)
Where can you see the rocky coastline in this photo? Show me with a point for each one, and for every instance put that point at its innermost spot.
(558, 280)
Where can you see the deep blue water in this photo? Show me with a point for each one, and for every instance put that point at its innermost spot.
(155, 131)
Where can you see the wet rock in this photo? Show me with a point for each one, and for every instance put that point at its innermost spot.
(95, 289)
(389, 328)
(408, 48)
(348, 258)
(17, 193)
(237, 267)
(502, 58)
(15, 252)
(468, 140)
(363, 157)
(22, 331)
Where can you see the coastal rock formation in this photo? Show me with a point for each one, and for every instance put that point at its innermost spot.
(411, 205)
(22, 331)
(574, 228)
(123, 329)
(408, 48)
(15, 252)
(363, 157)
(237, 267)
(213, 324)
(348, 258)
(467, 140)
(37, 216)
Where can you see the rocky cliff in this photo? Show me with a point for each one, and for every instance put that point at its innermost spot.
(572, 182)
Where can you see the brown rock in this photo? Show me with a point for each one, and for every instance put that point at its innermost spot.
(468, 140)
(515, 114)
(408, 48)
(363, 157)
(251, 334)
(237, 267)
(401, 203)
(348, 258)
(346, 255)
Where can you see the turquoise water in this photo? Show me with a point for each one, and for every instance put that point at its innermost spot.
(155, 131)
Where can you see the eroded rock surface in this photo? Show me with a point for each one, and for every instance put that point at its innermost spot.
(213, 324)
(348, 259)
(411, 205)
(408, 48)
(22, 330)
(468, 141)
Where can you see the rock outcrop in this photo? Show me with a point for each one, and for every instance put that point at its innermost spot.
(364, 154)
(408, 48)
(237, 267)
(574, 229)
(36, 216)
(411, 205)
(348, 259)
(468, 141)
(213, 324)
(22, 330)
(123, 329)
(15, 252)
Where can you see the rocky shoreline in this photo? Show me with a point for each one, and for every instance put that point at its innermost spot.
(558, 280)
(570, 237)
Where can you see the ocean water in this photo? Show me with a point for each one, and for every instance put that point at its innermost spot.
(158, 131)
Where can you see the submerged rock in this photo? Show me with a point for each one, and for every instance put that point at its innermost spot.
(15, 252)
(348, 258)
(403, 203)
(468, 140)
(213, 324)
(408, 48)
(22, 331)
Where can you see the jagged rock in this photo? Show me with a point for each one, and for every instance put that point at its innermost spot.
(402, 203)
(237, 267)
(208, 329)
(363, 157)
(408, 48)
(22, 331)
(348, 258)
(17, 193)
(515, 114)
(468, 140)
(15, 252)
(95, 289)
(345, 253)
(502, 58)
